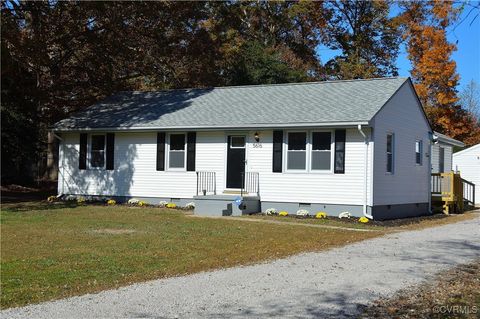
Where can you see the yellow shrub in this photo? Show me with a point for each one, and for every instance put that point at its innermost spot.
(363, 219)
(81, 200)
(283, 214)
(171, 205)
(320, 215)
(52, 198)
(142, 203)
(111, 202)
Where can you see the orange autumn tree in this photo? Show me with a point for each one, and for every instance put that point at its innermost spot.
(433, 71)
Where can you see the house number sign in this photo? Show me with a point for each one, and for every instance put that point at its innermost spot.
(257, 145)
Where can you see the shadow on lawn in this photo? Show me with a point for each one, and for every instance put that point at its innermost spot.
(37, 205)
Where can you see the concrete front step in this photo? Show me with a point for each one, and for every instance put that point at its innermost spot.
(226, 205)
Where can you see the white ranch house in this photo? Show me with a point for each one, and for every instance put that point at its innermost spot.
(362, 146)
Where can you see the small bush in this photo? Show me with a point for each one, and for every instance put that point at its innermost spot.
(302, 212)
(283, 213)
(345, 215)
(133, 201)
(162, 203)
(363, 219)
(111, 202)
(271, 211)
(52, 199)
(81, 200)
(70, 198)
(142, 203)
(190, 205)
(171, 205)
(321, 215)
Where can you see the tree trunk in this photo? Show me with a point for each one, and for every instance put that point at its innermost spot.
(52, 158)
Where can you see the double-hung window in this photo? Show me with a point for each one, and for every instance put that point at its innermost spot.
(176, 152)
(418, 152)
(390, 152)
(321, 151)
(297, 151)
(97, 151)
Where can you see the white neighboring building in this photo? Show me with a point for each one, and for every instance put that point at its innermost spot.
(361, 146)
(467, 162)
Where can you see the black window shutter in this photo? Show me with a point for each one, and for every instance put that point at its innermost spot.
(161, 151)
(110, 150)
(82, 163)
(277, 151)
(340, 151)
(191, 140)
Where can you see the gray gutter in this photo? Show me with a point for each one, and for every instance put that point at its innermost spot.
(211, 128)
(447, 139)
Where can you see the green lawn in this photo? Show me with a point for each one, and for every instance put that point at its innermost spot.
(52, 251)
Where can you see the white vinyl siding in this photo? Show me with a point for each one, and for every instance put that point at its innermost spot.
(447, 157)
(410, 183)
(310, 187)
(135, 170)
(467, 163)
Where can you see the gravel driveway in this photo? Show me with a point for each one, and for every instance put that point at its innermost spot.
(331, 283)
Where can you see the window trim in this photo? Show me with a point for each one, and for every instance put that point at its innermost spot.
(90, 150)
(332, 151)
(307, 144)
(237, 147)
(420, 150)
(308, 149)
(392, 172)
(167, 152)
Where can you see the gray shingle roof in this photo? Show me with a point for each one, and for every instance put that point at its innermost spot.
(326, 102)
(448, 140)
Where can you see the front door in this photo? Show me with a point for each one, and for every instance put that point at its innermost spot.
(235, 160)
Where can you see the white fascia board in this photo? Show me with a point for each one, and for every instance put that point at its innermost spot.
(214, 128)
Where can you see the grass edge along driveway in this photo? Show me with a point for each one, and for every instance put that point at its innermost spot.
(52, 252)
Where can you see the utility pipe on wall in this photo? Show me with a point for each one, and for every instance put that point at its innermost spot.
(365, 173)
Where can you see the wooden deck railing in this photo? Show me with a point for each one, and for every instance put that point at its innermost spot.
(468, 193)
(453, 191)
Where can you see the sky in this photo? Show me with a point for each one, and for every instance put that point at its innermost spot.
(467, 56)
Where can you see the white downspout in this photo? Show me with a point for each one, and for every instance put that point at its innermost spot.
(365, 173)
(431, 143)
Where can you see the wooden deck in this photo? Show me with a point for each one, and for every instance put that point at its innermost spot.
(452, 192)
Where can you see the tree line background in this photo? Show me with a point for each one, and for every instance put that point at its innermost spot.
(60, 57)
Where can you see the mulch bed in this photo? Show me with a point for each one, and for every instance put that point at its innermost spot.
(383, 223)
(406, 221)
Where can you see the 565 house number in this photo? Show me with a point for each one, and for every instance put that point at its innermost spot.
(257, 145)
